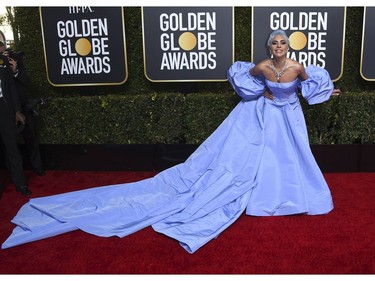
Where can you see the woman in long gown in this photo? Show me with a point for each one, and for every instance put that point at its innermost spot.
(258, 160)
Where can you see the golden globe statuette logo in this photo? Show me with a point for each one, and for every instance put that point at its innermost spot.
(83, 47)
(187, 41)
(297, 40)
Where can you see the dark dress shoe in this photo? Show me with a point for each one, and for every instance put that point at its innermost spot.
(40, 172)
(24, 190)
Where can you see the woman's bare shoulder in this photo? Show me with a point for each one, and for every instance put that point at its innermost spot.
(265, 62)
(260, 67)
(299, 69)
(295, 63)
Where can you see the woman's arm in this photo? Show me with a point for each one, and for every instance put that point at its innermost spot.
(302, 75)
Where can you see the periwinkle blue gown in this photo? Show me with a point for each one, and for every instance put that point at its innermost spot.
(258, 161)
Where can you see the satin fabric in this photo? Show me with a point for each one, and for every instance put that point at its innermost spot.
(258, 161)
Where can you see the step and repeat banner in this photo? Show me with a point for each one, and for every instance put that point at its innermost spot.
(368, 45)
(187, 43)
(84, 46)
(316, 35)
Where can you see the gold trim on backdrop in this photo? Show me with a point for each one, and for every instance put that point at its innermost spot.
(343, 48)
(252, 35)
(362, 43)
(362, 46)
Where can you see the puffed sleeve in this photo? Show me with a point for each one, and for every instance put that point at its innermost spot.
(245, 85)
(318, 87)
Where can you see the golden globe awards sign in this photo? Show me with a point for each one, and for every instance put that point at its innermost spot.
(368, 45)
(84, 46)
(187, 43)
(316, 35)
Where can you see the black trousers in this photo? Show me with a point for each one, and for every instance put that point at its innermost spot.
(30, 137)
(8, 134)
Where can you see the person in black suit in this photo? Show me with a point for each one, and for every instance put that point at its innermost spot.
(28, 131)
(10, 115)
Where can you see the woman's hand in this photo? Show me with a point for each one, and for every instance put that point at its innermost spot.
(336, 92)
(267, 94)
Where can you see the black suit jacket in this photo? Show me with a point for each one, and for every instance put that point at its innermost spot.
(23, 84)
(9, 90)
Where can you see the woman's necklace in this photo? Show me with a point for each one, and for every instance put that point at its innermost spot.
(278, 74)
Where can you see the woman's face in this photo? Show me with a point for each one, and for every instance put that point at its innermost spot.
(279, 46)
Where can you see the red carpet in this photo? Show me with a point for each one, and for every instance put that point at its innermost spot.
(342, 242)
